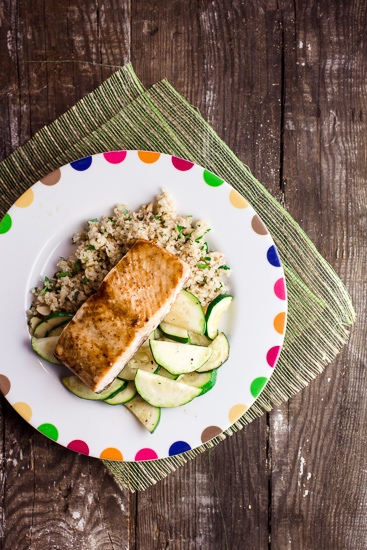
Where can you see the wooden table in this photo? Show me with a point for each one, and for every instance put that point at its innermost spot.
(283, 82)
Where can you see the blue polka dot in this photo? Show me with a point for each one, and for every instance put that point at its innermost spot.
(81, 164)
(272, 256)
(178, 447)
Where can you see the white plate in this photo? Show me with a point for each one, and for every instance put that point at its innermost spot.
(42, 223)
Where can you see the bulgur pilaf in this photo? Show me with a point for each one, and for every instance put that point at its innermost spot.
(103, 243)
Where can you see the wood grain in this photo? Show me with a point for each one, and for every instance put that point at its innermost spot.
(283, 83)
(317, 440)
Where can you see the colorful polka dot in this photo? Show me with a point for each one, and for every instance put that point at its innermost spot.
(148, 157)
(115, 157)
(146, 454)
(181, 164)
(52, 179)
(25, 200)
(279, 322)
(81, 164)
(237, 200)
(212, 179)
(78, 446)
(272, 256)
(273, 355)
(49, 430)
(279, 289)
(178, 447)
(111, 454)
(236, 412)
(4, 384)
(258, 226)
(5, 224)
(24, 410)
(210, 432)
(257, 385)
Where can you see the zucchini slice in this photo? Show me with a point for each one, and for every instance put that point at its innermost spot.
(53, 320)
(166, 374)
(124, 396)
(220, 347)
(179, 358)
(78, 388)
(56, 331)
(214, 314)
(175, 333)
(162, 392)
(148, 415)
(186, 312)
(199, 339)
(150, 337)
(45, 347)
(202, 380)
(143, 359)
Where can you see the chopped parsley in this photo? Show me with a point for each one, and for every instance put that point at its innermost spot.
(85, 281)
(58, 288)
(179, 229)
(62, 274)
(90, 248)
(203, 266)
(78, 265)
(61, 258)
(157, 217)
(199, 238)
(76, 294)
(47, 287)
(111, 220)
(224, 267)
(92, 221)
(126, 211)
(208, 259)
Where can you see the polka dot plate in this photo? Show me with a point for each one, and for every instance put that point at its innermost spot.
(37, 230)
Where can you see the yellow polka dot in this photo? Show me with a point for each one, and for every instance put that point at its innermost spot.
(25, 200)
(279, 322)
(148, 157)
(236, 412)
(24, 410)
(236, 200)
(111, 454)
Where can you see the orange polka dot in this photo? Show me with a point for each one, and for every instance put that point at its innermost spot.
(279, 322)
(148, 157)
(24, 410)
(237, 200)
(25, 200)
(236, 412)
(111, 454)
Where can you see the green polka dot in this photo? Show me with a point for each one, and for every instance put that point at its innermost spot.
(211, 179)
(50, 430)
(5, 224)
(257, 385)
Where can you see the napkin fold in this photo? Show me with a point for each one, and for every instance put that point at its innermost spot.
(122, 114)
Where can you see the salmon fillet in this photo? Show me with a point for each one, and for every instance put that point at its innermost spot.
(110, 326)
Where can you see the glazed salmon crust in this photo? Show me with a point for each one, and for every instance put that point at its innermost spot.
(111, 325)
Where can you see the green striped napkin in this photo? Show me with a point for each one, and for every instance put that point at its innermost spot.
(122, 114)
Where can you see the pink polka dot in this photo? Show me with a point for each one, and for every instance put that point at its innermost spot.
(279, 289)
(181, 164)
(115, 157)
(146, 454)
(79, 446)
(273, 355)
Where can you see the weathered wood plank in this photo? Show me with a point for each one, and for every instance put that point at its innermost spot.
(53, 498)
(317, 442)
(227, 62)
